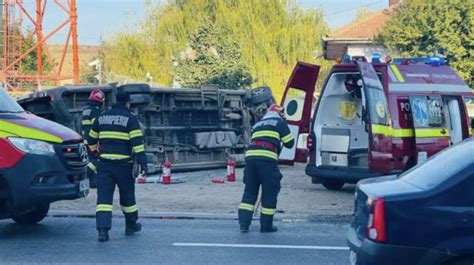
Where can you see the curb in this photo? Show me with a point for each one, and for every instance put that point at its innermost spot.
(339, 219)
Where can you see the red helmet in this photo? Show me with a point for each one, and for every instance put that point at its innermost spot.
(97, 95)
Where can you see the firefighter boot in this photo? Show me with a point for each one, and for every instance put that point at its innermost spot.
(103, 235)
(244, 228)
(266, 224)
(132, 228)
(268, 230)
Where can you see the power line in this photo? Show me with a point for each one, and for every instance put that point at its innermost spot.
(352, 9)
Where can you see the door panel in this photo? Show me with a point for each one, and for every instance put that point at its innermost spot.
(377, 120)
(453, 119)
(297, 102)
(431, 133)
(469, 102)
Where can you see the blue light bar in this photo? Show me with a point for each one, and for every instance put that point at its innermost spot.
(435, 60)
(376, 57)
(346, 58)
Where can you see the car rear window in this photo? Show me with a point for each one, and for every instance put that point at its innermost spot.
(441, 166)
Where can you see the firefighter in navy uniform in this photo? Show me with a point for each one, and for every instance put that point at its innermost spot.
(89, 114)
(117, 135)
(261, 168)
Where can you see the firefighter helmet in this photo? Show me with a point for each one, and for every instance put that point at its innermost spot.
(97, 95)
(277, 108)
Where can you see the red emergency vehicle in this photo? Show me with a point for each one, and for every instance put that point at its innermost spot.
(374, 119)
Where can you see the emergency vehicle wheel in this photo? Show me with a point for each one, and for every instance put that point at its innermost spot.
(32, 217)
(332, 185)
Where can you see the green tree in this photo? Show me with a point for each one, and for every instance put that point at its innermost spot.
(29, 62)
(213, 57)
(272, 36)
(421, 28)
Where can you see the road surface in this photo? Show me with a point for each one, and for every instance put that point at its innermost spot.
(73, 240)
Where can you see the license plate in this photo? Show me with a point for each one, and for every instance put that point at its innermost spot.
(353, 257)
(84, 185)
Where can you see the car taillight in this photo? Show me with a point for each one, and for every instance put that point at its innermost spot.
(9, 155)
(376, 225)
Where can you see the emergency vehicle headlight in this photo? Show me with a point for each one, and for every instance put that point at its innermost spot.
(32, 146)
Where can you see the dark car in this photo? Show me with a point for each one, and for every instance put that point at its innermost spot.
(424, 216)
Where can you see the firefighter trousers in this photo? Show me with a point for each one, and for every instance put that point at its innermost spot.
(109, 175)
(265, 173)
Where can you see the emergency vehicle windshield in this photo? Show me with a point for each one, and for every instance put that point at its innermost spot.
(7, 104)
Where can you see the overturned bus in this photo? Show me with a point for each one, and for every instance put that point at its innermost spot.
(192, 128)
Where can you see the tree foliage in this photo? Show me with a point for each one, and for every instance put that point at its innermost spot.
(422, 28)
(214, 57)
(271, 36)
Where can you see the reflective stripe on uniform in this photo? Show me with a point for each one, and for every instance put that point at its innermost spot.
(287, 138)
(114, 156)
(92, 167)
(272, 134)
(268, 211)
(135, 133)
(86, 122)
(129, 209)
(103, 208)
(139, 148)
(431, 132)
(93, 134)
(114, 135)
(246, 207)
(264, 153)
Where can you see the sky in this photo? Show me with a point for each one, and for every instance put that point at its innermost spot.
(99, 18)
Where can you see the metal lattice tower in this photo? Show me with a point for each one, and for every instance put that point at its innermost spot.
(14, 34)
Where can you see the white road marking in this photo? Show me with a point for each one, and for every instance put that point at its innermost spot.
(258, 246)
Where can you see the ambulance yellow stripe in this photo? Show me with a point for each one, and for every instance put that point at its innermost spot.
(29, 133)
(431, 133)
(397, 73)
(389, 131)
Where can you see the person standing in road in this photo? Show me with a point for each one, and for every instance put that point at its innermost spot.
(89, 114)
(117, 137)
(261, 168)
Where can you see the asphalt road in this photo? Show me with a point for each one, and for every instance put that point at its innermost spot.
(72, 240)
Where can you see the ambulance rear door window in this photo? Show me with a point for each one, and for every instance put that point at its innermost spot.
(427, 112)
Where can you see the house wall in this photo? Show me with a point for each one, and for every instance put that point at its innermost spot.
(366, 50)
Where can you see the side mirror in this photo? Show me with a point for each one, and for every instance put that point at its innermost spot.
(472, 123)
